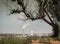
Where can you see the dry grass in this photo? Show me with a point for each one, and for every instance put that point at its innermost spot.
(45, 41)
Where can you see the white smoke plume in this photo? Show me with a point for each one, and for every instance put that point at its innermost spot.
(26, 23)
(22, 16)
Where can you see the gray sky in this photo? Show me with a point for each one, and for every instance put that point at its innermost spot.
(12, 24)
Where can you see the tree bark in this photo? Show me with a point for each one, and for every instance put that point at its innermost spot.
(55, 30)
(55, 27)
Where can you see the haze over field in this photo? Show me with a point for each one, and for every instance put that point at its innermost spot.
(12, 24)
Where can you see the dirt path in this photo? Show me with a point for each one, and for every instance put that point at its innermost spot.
(51, 42)
(54, 42)
(35, 42)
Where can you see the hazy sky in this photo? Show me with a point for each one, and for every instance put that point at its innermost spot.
(12, 24)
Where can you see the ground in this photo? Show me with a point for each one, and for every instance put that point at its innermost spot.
(45, 42)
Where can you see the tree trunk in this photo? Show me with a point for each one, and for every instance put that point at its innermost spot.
(59, 33)
(55, 30)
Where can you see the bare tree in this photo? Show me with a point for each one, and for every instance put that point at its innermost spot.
(39, 9)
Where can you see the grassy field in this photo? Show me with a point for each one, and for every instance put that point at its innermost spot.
(28, 40)
(12, 40)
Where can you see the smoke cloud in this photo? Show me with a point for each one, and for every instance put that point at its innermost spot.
(27, 23)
